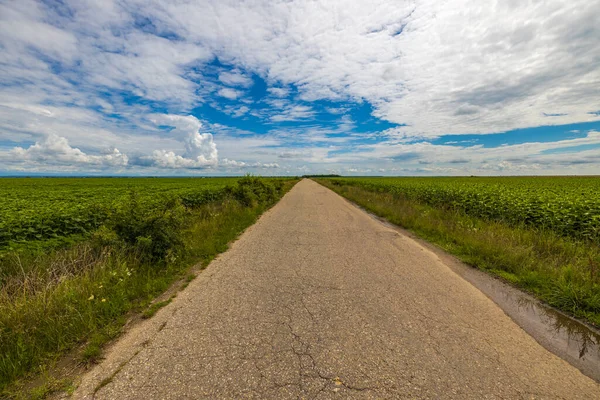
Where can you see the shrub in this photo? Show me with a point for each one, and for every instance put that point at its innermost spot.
(251, 191)
(153, 229)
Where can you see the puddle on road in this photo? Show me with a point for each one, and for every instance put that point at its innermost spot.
(571, 340)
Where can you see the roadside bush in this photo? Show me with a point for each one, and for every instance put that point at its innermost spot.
(153, 230)
(251, 190)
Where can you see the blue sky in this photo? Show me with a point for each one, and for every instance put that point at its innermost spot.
(420, 87)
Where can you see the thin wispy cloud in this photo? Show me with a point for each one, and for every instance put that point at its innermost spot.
(151, 87)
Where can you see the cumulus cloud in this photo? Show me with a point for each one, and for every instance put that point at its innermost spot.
(200, 149)
(55, 150)
(232, 163)
(168, 159)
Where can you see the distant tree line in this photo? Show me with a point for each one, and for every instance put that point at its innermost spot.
(322, 176)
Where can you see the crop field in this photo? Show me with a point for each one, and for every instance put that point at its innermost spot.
(35, 210)
(568, 206)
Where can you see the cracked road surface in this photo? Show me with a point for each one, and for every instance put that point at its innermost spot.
(318, 300)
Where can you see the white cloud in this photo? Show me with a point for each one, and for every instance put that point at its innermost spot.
(459, 66)
(241, 164)
(240, 111)
(293, 113)
(295, 154)
(526, 158)
(232, 163)
(235, 79)
(22, 26)
(267, 165)
(235, 111)
(168, 159)
(56, 150)
(278, 92)
(229, 93)
(200, 149)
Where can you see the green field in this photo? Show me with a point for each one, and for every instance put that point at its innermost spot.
(541, 234)
(569, 206)
(36, 210)
(80, 255)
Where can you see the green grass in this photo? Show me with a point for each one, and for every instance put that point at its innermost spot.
(50, 386)
(53, 302)
(154, 307)
(559, 270)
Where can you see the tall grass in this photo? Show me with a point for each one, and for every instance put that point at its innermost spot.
(561, 271)
(50, 302)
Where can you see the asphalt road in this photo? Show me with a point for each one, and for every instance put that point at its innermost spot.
(320, 300)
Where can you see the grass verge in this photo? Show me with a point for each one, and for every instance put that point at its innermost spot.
(84, 294)
(562, 272)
